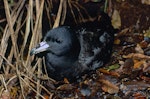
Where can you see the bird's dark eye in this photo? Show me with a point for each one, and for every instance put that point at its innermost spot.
(49, 39)
(58, 41)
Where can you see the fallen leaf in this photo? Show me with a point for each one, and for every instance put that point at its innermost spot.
(146, 67)
(109, 87)
(66, 87)
(137, 64)
(135, 85)
(113, 67)
(138, 49)
(137, 56)
(139, 96)
(117, 41)
(147, 79)
(104, 71)
(116, 19)
(145, 2)
(66, 81)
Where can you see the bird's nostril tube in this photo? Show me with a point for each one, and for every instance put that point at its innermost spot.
(38, 46)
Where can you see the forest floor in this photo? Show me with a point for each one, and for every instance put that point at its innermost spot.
(126, 76)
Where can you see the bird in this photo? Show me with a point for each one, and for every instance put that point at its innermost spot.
(71, 51)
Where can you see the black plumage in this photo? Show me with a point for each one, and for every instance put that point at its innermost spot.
(71, 51)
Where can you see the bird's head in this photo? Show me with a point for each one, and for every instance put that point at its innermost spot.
(58, 41)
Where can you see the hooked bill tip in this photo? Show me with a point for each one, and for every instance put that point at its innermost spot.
(32, 52)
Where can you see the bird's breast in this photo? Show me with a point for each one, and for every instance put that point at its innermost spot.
(59, 61)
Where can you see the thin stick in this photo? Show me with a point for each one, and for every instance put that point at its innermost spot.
(32, 88)
(15, 13)
(7, 61)
(57, 21)
(64, 12)
(34, 36)
(69, 2)
(3, 81)
(9, 20)
(36, 83)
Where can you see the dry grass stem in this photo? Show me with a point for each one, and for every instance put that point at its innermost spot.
(56, 24)
(22, 30)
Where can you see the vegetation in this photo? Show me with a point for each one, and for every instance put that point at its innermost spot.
(23, 24)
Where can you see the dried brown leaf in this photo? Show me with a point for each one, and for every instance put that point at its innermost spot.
(131, 86)
(139, 96)
(138, 49)
(137, 56)
(116, 19)
(147, 79)
(109, 72)
(145, 2)
(109, 87)
(66, 87)
(137, 64)
(117, 41)
(66, 81)
(146, 67)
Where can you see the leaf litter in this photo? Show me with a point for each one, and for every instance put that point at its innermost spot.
(126, 76)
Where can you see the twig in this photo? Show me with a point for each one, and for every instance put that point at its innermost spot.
(21, 85)
(64, 11)
(36, 83)
(9, 20)
(69, 2)
(2, 20)
(7, 61)
(57, 21)
(3, 81)
(15, 13)
(39, 75)
(34, 36)
(32, 88)
(27, 30)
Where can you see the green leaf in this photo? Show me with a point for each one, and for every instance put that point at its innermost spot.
(113, 67)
